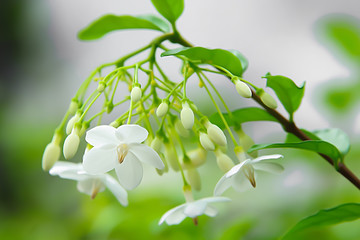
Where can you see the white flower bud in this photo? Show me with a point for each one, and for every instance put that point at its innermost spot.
(162, 109)
(180, 129)
(223, 161)
(197, 158)
(206, 142)
(101, 86)
(71, 145)
(50, 156)
(187, 116)
(243, 89)
(136, 94)
(156, 144)
(193, 177)
(216, 134)
(171, 156)
(71, 123)
(268, 100)
(74, 105)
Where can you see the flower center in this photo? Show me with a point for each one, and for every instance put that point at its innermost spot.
(122, 151)
(249, 174)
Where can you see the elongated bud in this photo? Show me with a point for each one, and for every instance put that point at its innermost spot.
(71, 144)
(180, 129)
(51, 153)
(206, 142)
(243, 89)
(71, 123)
(223, 161)
(197, 158)
(187, 116)
(74, 106)
(157, 144)
(136, 94)
(171, 156)
(216, 134)
(246, 142)
(162, 109)
(193, 177)
(267, 99)
(101, 87)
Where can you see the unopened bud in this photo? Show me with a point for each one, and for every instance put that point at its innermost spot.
(193, 177)
(74, 106)
(268, 100)
(136, 94)
(180, 129)
(206, 142)
(71, 145)
(223, 161)
(50, 156)
(171, 156)
(101, 87)
(243, 89)
(115, 124)
(187, 116)
(71, 123)
(216, 134)
(197, 158)
(157, 144)
(162, 109)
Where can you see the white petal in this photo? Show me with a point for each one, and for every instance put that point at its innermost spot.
(194, 209)
(101, 135)
(129, 172)
(268, 167)
(236, 168)
(131, 133)
(222, 185)
(61, 166)
(97, 161)
(240, 183)
(174, 215)
(146, 155)
(215, 199)
(87, 186)
(267, 157)
(118, 191)
(211, 211)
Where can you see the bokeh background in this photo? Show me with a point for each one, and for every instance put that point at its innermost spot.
(42, 64)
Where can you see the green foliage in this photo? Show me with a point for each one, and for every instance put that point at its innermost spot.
(335, 136)
(342, 213)
(109, 23)
(311, 145)
(234, 63)
(169, 9)
(288, 93)
(242, 115)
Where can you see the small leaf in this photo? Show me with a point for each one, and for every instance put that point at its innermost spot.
(159, 22)
(242, 115)
(288, 93)
(169, 9)
(342, 213)
(335, 136)
(242, 58)
(311, 145)
(215, 57)
(109, 23)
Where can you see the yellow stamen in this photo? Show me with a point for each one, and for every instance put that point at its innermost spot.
(249, 174)
(122, 151)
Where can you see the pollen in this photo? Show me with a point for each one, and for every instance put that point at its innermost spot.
(122, 151)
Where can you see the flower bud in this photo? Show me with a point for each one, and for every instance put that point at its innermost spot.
(71, 145)
(223, 161)
(166, 167)
(71, 123)
(101, 87)
(216, 134)
(187, 116)
(197, 158)
(268, 100)
(206, 142)
(115, 124)
(180, 129)
(193, 177)
(50, 156)
(74, 106)
(162, 109)
(136, 94)
(171, 156)
(156, 144)
(243, 89)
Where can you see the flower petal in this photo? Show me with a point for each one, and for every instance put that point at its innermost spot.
(222, 185)
(129, 172)
(146, 155)
(194, 209)
(97, 161)
(240, 183)
(68, 170)
(118, 191)
(131, 133)
(101, 135)
(211, 211)
(236, 168)
(87, 186)
(268, 167)
(174, 215)
(267, 157)
(215, 199)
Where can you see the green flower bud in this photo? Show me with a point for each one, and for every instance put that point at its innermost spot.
(74, 106)
(268, 100)
(101, 87)
(50, 156)
(171, 156)
(187, 116)
(216, 134)
(180, 129)
(223, 161)
(194, 179)
(243, 89)
(71, 144)
(197, 158)
(206, 142)
(71, 123)
(162, 109)
(157, 144)
(136, 94)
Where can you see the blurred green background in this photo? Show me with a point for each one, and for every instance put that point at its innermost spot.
(35, 92)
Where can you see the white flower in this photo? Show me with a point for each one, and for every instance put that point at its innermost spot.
(120, 148)
(192, 209)
(89, 184)
(243, 173)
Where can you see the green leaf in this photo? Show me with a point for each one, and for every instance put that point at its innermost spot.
(335, 136)
(215, 57)
(242, 115)
(242, 58)
(288, 93)
(342, 213)
(159, 22)
(318, 146)
(109, 23)
(169, 9)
